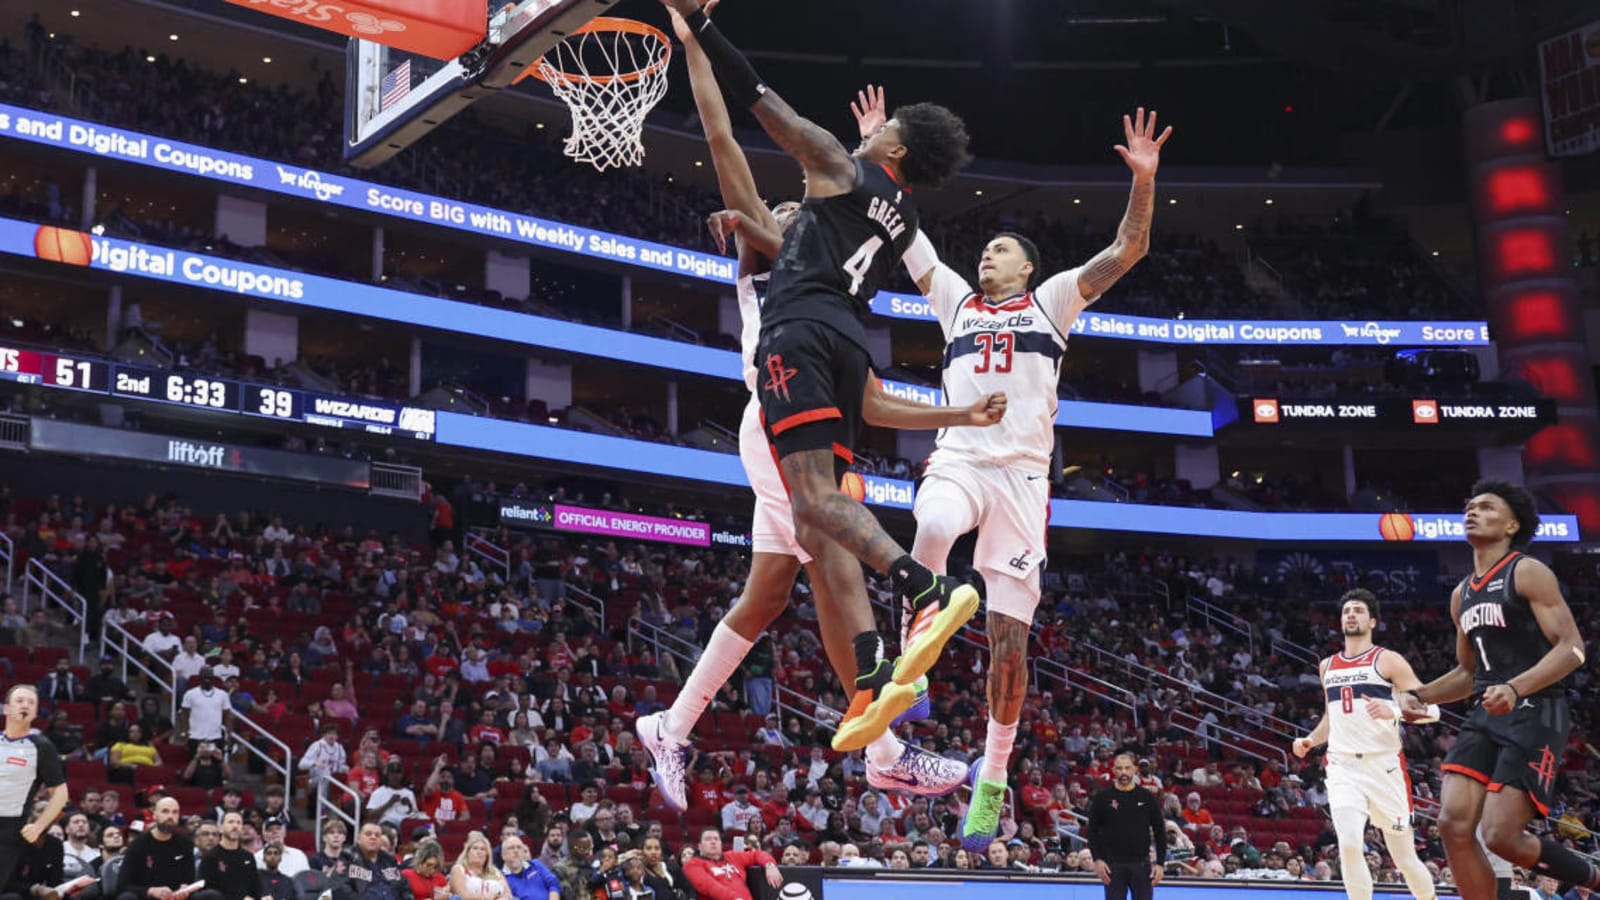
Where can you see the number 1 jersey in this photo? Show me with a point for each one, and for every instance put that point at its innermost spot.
(1014, 345)
(840, 251)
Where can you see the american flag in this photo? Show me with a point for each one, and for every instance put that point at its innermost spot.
(396, 85)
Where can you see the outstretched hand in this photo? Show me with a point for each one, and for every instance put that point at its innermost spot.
(989, 410)
(869, 110)
(722, 223)
(1142, 152)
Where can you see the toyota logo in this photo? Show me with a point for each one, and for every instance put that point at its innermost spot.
(366, 23)
(1266, 411)
(1425, 412)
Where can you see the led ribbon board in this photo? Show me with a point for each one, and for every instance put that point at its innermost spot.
(213, 273)
(238, 170)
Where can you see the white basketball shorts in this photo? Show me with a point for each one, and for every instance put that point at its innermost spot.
(772, 522)
(1375, 782)
(1011, 510)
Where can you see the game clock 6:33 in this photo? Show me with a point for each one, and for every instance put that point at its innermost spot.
(182, 388)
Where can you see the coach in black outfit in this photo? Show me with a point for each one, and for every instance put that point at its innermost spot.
(229, 870)
(1124, 821)
(160, 861)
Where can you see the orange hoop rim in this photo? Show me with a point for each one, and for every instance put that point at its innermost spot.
(611, 23)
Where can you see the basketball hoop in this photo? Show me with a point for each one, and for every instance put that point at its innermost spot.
(610, 73)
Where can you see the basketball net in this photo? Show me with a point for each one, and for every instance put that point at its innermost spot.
(610, 73)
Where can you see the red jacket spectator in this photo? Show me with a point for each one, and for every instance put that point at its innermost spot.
(719, 875)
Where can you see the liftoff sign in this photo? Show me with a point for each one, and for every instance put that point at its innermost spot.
(442, 29)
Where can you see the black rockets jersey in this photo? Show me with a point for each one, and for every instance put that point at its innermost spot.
(1500, 625)
(840, 251)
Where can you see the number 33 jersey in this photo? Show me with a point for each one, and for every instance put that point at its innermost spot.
(839, 252)
(1014, 345)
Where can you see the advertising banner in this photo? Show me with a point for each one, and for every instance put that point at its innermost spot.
(1388, 575)
(1569, 85)
(1391, 412)
(632, 525)
(238, 170)
(442, 29)
(91, 440)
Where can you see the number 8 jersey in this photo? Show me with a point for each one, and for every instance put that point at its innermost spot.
(1014, 345)
(839, 252)
(1348, 682)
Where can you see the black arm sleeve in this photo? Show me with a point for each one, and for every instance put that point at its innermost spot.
(1097, 816)
(734, 72)
(1158, 830)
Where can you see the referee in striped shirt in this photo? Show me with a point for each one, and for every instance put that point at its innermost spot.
(27, 760)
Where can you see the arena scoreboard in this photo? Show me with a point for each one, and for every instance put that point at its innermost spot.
(212, 393)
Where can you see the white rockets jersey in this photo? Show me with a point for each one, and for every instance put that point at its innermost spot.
(1016, 346)
(752, 289)
(1348, 683)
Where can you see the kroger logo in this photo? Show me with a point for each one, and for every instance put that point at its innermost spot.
(310, 181)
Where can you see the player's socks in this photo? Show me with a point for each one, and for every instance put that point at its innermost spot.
(997, 751)
(868, 646)
(722, 656)
(885, 750)
(1566, 865)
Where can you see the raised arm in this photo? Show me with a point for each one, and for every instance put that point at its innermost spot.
(884, 410)
(1142, 153)
(734, 180)
(756, 234)
(828, 167)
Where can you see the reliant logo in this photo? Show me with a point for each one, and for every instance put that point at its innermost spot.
(310, 181)
(207, 455)
(730, 539)
(536, 514)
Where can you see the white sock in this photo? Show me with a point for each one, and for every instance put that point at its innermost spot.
(885, 751)
(997, 751)
(722, 656)
(1403, 850)
(1350, 826)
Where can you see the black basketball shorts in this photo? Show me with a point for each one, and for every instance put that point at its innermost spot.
(809, 380)
(1521, 749)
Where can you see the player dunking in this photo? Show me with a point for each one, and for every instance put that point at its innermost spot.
(1007, 337)
(1516, 643)
(777, 556)
(856, 221)
(1366, 768)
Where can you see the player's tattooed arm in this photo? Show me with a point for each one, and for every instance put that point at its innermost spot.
(1455, 684)
(1008, 677)
(1142, 153)
(829, 169)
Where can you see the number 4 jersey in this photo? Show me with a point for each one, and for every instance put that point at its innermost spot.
(839, 252)
(1014, 345)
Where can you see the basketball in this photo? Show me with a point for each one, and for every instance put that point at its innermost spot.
(795, 891)
(852, 484)
(1397, 526)
(62, 245)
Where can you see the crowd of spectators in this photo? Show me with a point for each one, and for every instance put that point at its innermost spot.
(505, 696)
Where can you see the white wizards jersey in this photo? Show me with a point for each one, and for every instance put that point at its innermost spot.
(1015, 345)
(752, 289)
(1348, 682)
